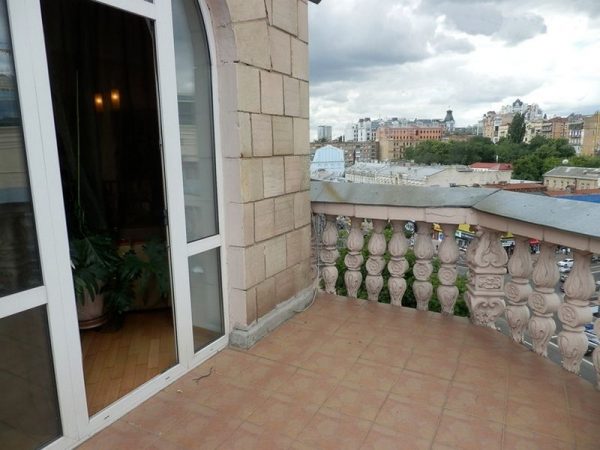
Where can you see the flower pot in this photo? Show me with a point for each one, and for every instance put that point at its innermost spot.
(91, 314)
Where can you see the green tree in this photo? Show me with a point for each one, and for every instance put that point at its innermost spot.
(516, 130)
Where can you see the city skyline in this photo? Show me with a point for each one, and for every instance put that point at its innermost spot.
(418, 58)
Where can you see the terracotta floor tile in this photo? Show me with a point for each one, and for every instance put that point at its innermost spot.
(122, 436)
(482, 403)
(372, 375)
(421, 389)
(264, 374)
(545, 390)
(283, 415)
(308, 387)
(362, 330)
(205, 429)
(236, 401)
(431, 365)
(586, 430)
(346, 347)
(413, 419)
(481, 357)
(361, 403)
(252, 437)
(332, 430)
(381, 438)
(515, 439)
(446, 349)
(484, 378)
(317, 322)
(395, 356)
(325, 364)
(542, 418)
(464, 432)
(280, 351)
(393, 337)
(583, 398)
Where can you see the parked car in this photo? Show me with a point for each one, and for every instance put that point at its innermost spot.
(593, 341)
(564, 269)
(568, 262)
(595, 258)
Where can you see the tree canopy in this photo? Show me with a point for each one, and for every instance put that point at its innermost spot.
(530, 161)
(516, 130)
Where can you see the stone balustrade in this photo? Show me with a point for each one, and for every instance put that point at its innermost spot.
(522, 288)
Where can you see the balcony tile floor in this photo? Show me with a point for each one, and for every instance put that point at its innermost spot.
(353, 374)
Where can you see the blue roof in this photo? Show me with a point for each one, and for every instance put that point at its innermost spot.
(593, 198)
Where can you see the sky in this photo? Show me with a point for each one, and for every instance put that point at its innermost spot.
(418, 58)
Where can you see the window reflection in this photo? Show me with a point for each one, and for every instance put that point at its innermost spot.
(19, 259)
(194, 96)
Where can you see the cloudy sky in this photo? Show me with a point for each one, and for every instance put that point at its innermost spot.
(417, 58)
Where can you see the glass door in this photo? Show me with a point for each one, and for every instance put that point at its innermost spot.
(103, 81)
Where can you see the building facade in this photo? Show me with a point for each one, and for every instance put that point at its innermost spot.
(393, 142)
(572, 179)
(591, 135)
(324, 133)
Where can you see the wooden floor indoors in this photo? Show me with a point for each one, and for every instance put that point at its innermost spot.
(117, 361)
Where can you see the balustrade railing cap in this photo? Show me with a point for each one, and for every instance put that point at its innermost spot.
(568, 216)
(406, 196)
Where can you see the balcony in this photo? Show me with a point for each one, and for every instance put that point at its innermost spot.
(357, 373)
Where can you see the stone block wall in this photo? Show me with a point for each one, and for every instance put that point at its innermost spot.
(262, 46)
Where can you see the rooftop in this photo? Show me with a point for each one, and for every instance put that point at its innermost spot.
(574, 172)
(356, 374)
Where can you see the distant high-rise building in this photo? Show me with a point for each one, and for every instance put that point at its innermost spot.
(324, 132)
(449, 121)
(591, 135)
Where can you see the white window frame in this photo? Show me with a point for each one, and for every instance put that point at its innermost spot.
(43, 163)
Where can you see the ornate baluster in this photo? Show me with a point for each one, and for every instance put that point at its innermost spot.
(543, 301)
(447, 292)
(329, 254)
(354, 258)
(596, 355)
(518, 289)
(397, 265)
(423, 268)
(487, 260)
(575, 312)
(376, 262)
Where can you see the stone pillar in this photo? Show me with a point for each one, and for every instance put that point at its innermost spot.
(575, 312)
(448, 253)
(423, 268)
(518, 289)
(397, 266)
(487, 266)
(596, 355)
(354, 259)
(543, 301)
(376, 262)
(329, 254)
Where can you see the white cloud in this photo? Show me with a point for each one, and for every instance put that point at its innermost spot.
(417, 58)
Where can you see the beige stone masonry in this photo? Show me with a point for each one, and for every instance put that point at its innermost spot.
(246, 266)
(262, 135)
(240, 215)
(304, 100)
(242, 306)
(285, 15)
(296, 173)
(283, 135)
(271, 93)
(291, 96)
(302, 214)
(241, 10)
(275, 256)
(299, 59)
(273, 176)
(265, 297)
(284, 214)
(301, 136)
(298, 246)
(281, 51)
(303, 21)
(251, 179)
(252, 41)
(285, 285)
(264, 219)
(245, 131)
(248, 92)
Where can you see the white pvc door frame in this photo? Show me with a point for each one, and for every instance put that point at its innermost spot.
(46, 190)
